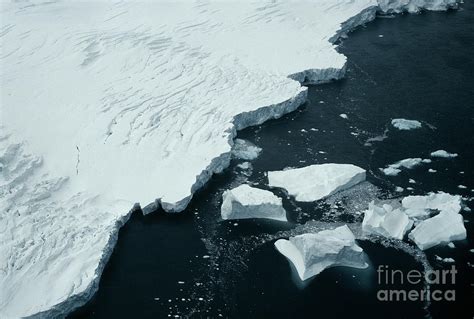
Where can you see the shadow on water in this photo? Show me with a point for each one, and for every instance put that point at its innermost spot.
(193, 264)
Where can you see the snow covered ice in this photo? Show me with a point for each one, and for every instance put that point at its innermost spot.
(105, 105)
(406, 125)
(317, 181)
(249, 202)
(386, 221)
(311, 253)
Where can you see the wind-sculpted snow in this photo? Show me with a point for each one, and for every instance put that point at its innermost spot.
(107, 104)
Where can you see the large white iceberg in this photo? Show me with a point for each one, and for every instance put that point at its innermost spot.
(315, 182)
(249, 202)
(386, 221)
(442, 228)
(405, 125)
(312, 253)
(104, 105)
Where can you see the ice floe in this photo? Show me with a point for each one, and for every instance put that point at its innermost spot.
(317, 181)
(311, 253)
(395, 219)
(245, 201)
(443, 154)
(408, 163)
(386, 221)
(442, 228)
(416, 206)
(406, 125)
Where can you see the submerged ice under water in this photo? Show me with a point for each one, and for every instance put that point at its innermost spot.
(194, 265)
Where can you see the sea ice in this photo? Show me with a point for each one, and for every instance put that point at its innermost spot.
(249, 202)
(344, 116)
(442, 228)
(405, 125)
(127, 107)
(315, 182)
(245, 150)
(386, 221)
(409, 163)
(443, 154)
(417, 206)
(311, 253)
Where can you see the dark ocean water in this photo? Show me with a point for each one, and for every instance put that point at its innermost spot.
(192, 264)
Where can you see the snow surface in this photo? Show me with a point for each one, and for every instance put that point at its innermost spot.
(249, 202)
(405, 125)
(386, 221)
(106, 104)
(443, 154)
(318, 181)
(311, 253)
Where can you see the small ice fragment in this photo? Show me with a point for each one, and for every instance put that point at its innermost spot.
(344, 116)
(395, 168)
(245, 150)
(405, 125)
(443, 154)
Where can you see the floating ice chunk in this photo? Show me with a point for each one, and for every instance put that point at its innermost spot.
(462, 187)
(249, 202)
(416, 206)
(245, 150)
(312, 253)
(432, 170)
(405, 125)
(444, 154)
(245, 165)
(344, 116)
(451, 245)
(442, 228)
(315, 182)
(399, 189)
(394, 169)
(386, 221)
